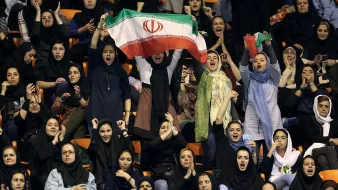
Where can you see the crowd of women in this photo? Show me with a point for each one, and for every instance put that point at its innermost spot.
(236, 105)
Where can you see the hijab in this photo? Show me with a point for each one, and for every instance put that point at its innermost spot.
(235, 145)
(15, 93)
(248, 179)
(5, 171)
(159, 83)
(213, 180)
(204, 22)
(82, 18)
(24, 173)
(324, 121)
(82, 83)
(183, 170)
(121, 183)
(73, 174)
(56, 69)
(49, 35)
(304, 182)
(299, 77)
(290, 157)
(258, 97)
(148, 179)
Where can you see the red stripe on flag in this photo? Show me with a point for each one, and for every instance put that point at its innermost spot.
(149, 47)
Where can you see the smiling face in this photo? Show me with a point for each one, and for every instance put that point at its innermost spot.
(89, 4)
(68, 154)
(52, 127)
(303, 6)
(282, 139)
(289, 56)
(164, 128)
(108, 54)
(218, 26)
(125, 161)
(158, 58)
(9, 156)
(47, 19)
(18, 181)
(260, 63)
(323, 108)
(34, 106)
(13, 76)
(235, 132)
(195, 5)
(74, 75)
(309, 167)
(204, 183)
(186, 158)
(212, 62)
(145, 185)
(322, 32)
(105, 132)
(58, 51)
(242, 160)
(29, 56)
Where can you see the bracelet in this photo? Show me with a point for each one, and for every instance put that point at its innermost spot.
(61, 99)
(311, 84)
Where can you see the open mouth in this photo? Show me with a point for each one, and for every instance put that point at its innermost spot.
(310, 171)
(218, 31)
(194, 6)
(235, 137)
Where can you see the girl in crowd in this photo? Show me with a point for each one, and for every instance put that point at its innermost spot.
(52, 77)
(307, 177)
(104, 147)
(72, 101)
(109, 82)
(321, 128)
(122, 176)
(187, 170)
(202, 14)
(31, 118)
(12, 98)
(47, 28)
(22, 59)
(212, 91)
(163, 149)
(297, 27)
(262, 114)
(281, 162)
(83, 26)
(70, 173)
(146, 183)
(10, 161)
(207, 181)
(45, 152)
(244, 174)
(19, 180)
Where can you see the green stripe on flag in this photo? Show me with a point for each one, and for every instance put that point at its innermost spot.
(128, 14)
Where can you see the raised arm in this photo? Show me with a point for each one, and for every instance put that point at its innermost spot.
(96, 35)
(226, 58)
(219, 118)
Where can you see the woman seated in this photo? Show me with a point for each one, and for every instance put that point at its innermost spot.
(207, 181)
(163, 150)
(73, 101)
(281, 162)
(19, 180)
(187, 171)
(104, 147)
(122, 175)
(321, 132)
(244, 173)
(70, 174)
(10, 161)
(307, 177)
(45, 152)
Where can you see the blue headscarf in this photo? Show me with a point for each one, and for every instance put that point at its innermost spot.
(258, 98)
(236, 145)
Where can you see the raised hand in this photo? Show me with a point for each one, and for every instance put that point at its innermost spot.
(95, 123)
(187, 10)
(36, 6)
(59, 80)
(267, 41)
(57, 10)
(30, 88)
(4, 86)
(77, 91)
(121, 124)
(169, 117)
(63, 133)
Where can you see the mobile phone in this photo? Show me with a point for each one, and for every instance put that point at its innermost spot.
(246, 138)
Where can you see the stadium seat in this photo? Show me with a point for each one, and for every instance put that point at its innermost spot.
(127, 68)
(85, 68)
(137, 149)
(69, 13)
(197, 149)
(83, 142)
(15, 144)
(329, 175)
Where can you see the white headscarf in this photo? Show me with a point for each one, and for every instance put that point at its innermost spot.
(290, 158)
(324, 121)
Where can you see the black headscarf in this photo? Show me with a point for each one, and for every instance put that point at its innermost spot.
(298, 77)
(159, 80)
(50, 34)
(299, 62)
(204, 22)
(14, 93)
(83, 83)
(73, 174)
(190, 183)
(56, 69)
(213, 180)
(5, 171)
(304, 182)
(27, 185)
(248, 179)
(151, 182)
(86, 15)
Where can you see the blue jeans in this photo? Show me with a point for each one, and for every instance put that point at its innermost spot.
(209, 149)
(284, 181)
(60, 88)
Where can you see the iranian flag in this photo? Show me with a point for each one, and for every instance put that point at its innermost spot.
(145, 34)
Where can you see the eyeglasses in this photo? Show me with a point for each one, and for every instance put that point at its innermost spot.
(277, 138)
(68, 152)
